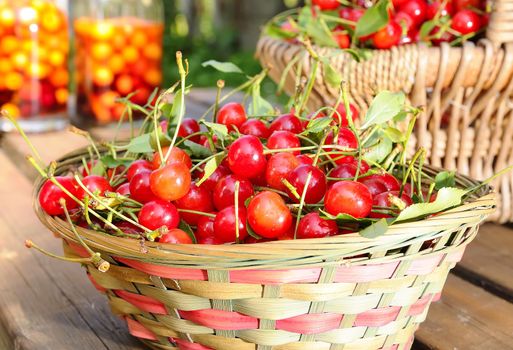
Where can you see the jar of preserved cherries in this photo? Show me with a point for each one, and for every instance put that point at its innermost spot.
(118, 53)
(34, 75)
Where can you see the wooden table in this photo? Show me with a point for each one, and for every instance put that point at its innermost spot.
(48, 304)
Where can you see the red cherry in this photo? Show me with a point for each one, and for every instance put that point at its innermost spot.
(385, 199)
(346, 138)
(316, 187)
(177, 155)
(198, 199)
(404, 20)
(343, 40)
(342, 172)
(417, 9)
(326, 5)
(304, 159)
(232, 115)
(283, 140)
(211, 182)
(278, 167)
(412, 36)
(287, 122)
(268, 215)
(171, 182)
(313, 226)
(188, 127)
(246, 157)
(159, 213)
(340, 116)
(398, 3)
(351, 14)
(224, 192)
(124, 189)
(97, 185)
(175, 236)
(225, 222)
(205, 231)
(140, 189)
(255, 127)
(364, 167)
(89, 167)
(379, 183)
(137, 167)
(50, 195)
(387, 37)
(466, 22)
(348, 197)
(438, 38)
(436, 8)
(466, 4)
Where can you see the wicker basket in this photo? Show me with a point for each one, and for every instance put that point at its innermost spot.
(467, 124)
(342, 292)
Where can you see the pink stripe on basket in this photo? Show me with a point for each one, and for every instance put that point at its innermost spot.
(310, 323)
(220, 319)
(77, 248)
(365, 273)
(276, 276)
(95, 284)
(186, 345)
(165, 271)
(142, 302)
(138, 330)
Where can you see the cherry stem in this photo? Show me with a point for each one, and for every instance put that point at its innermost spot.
(237, 186)
(210, 215)
(99, 200)
(220, 86)
(87, 135)
(312, 79)
(30, 244)
(33, 149)
(302, 202)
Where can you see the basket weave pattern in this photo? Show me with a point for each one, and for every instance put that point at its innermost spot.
(341, 292)
(467, 123)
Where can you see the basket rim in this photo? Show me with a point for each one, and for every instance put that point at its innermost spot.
(327, 249)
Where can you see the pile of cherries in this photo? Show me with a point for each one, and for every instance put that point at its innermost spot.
(268, 176)
(449, 20)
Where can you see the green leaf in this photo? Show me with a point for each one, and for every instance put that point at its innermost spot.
(379, 151)
(373, 19)
(276, 31)
(316, 28)
(225, 67)
(318, 125)
(426, 28)
(196, 151)
(395, 135)
(98, 169)
(140, 144)
(166, 109)
(330, 74)
(220, 130)
(110, 162)
(445, 179)
(177, 104)
(379, 228)
(346, 218)
(385, 106)
(259, 105)
(187, 229)
(446, 198)
(210, 167)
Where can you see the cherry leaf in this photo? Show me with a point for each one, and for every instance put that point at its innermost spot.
(331, 75)
(445, 179)
(140, 144)
(446, 198)
(379, 228)
(373, 19)
(318, 125)
(385, 106)
(379, 151)
(196, 151)
(220, 130)
(210, 167)
(225, 67)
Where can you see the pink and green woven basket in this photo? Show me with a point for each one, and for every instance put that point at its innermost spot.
(340, 292)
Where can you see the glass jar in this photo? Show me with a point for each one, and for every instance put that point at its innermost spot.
(34, 75)
(118, 52)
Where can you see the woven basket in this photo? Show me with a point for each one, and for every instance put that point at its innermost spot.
(342, 292)
(465, 91)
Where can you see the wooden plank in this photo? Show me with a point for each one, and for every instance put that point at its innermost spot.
(469, 318)
(487, 261)
(45, 303)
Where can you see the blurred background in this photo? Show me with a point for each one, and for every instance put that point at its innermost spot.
(223, 30)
